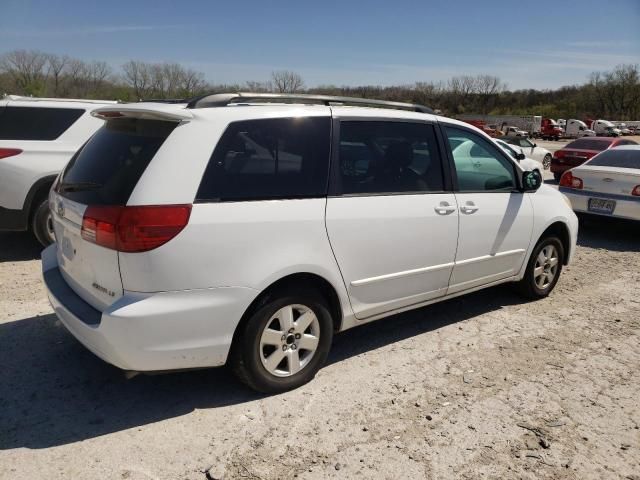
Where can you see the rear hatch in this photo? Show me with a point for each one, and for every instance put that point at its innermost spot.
(103, 173)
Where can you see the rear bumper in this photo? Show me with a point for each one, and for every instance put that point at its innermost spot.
(628, 209)
(151, 331)
(13, 220)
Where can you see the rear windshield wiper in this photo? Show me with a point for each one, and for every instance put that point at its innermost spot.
(78, 186)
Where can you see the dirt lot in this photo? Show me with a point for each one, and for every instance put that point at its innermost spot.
(482, 386)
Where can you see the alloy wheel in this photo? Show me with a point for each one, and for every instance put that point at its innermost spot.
(289, 340)
(546, 267)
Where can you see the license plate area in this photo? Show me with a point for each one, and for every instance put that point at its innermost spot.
(599, 205)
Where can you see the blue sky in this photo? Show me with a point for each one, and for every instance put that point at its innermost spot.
(537, 44)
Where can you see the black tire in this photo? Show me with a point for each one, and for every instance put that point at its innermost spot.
(245, 358)
(528, 286)
(546, 161)
(41, 223)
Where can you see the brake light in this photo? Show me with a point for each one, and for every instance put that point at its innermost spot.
(558, 154)
(569, 181)
(636, 191)
(9, 152)
(134, 229)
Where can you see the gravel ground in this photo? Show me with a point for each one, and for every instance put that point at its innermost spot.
(481, 386)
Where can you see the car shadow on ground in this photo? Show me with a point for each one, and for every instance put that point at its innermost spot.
(53, 391)
(18, 246)
(609, 233)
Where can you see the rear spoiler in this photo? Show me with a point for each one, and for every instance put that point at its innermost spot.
(149, 112)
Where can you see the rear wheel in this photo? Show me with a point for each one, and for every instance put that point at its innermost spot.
(42, 223)
(284, 342)
(543, 269)
(546, 161)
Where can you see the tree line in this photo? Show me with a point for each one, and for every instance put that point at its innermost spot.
(612, 94)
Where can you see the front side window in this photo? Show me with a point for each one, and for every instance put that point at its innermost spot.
(36, 123)
(388, 157)
(479, 165)
(273, 158)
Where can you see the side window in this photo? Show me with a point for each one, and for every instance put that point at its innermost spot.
(479, 165)
(36, 123)
(269, 159)
(388, 157)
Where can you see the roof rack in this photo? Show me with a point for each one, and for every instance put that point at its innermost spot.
(224, 99)
(164, 100)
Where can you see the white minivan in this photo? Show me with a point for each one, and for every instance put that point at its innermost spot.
(247, 229)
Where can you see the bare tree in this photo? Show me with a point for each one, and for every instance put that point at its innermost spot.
(138, 76)
(57, 65)
(286, 81)
(487, 87)
(27, 68)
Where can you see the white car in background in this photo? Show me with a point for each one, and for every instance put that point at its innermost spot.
(38, 136)
(525, 162)
(532, 150)
(608, 184)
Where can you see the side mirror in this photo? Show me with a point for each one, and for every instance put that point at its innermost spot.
(520, 156)
(535, 145)
(531, 181)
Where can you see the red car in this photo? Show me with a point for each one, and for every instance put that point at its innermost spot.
(581, 150)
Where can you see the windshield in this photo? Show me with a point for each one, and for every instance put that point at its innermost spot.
(617, 158)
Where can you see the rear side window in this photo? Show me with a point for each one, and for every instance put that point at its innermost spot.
(269, 159)
(617, 158)
(388, 157)
(36, 123)
(584, 144)
(108, 167)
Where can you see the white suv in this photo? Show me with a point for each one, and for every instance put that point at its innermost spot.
(38, 136)
(234, 230)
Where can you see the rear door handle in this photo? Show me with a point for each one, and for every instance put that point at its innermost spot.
(444, 208)
(469, 208)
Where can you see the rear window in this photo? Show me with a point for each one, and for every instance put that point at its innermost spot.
(36, 123)
(617, 158)
(586, 144)
(107, 168)
(269, 159)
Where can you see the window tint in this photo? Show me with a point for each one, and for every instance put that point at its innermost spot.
(388, 157)
(36, 123)
(589, 144)
(616, 158)
(479, 165)
(108, 167)
(269, 159)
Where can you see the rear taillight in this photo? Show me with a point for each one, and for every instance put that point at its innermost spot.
(570, 181)
(558, 154)
(134, 229)
(9, 152)
(636, 191)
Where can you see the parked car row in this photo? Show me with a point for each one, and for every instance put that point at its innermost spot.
(579, 151)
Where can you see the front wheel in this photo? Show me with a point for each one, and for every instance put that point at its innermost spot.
(284, 342)
(543, 269)
(546, 161)
(42, 224)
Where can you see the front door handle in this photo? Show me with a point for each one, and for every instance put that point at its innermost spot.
(469, 208)
(444, 208)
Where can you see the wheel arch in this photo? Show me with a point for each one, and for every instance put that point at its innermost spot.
(295, 280)
(39, 190)
(560, 230)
